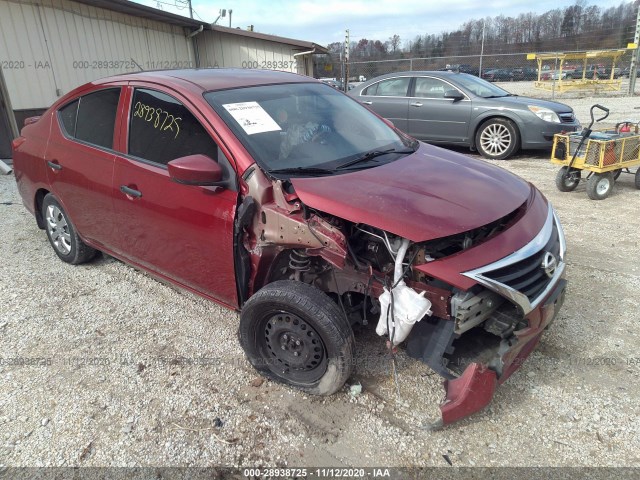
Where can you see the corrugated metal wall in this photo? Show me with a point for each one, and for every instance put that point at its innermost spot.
(218, 49)
(49, 47)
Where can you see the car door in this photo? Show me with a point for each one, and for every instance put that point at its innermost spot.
(182, 232)
(389, 99)
(434, 118)
(80, 159)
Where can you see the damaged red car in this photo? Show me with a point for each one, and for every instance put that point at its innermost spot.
(280, 197)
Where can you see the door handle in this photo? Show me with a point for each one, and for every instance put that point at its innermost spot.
(54, 165)
(130, 191)
(367, 103)
(416, 104)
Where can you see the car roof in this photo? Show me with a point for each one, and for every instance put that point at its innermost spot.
(210, 78)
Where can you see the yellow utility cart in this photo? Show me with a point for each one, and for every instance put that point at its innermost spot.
(604, 154)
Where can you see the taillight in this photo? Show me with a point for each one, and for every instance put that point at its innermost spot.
(16, 142)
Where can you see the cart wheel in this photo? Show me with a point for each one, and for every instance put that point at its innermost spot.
(616, 173)
(568, 179)
(638, 179)
(599, 185)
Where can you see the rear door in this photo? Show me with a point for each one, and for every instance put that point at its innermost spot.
(80, 160)
(434, 118)
(389, 99)
(182, 232)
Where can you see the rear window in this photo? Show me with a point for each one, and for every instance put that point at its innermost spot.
(68, 116)
(92, 118)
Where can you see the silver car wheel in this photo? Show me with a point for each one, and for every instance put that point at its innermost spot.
(495, 139)
(58, 229)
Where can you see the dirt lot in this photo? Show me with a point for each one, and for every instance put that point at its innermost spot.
(126, 371)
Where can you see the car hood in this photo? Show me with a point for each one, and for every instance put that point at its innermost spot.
(524, 101)
(429, 194)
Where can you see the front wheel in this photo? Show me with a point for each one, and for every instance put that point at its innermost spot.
(293, 333)
(497, 139)
(567, 179)
(62, 234)
(600, 185)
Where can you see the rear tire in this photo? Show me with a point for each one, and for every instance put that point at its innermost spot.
(497, 139)
(567, 180)
(600, 185)
(637, 177)
(62, 234)
(295, 334)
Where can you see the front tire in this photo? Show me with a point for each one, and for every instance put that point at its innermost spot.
(62, 234)
(600, 185)
(497, 139)
(295, 334)
(567, 179)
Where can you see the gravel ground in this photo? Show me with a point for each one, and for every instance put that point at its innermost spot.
(127, 371)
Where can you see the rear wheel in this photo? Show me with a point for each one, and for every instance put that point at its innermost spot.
(600, 185)
(497, 139)
(637, 176)
(293, 333)
(62, 234)
(567, 179)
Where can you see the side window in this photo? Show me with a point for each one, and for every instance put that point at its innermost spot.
(96, 117)
(394, 87)
(426, 87)
(161, 129)
(68, 116)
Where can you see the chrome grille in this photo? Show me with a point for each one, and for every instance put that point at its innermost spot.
(520, 277)
(528, 276)
(567, 117)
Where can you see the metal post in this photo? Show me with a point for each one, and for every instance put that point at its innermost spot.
(230, 12)
(190, 9)
(635, 57)
(481, 50)
(346, 61)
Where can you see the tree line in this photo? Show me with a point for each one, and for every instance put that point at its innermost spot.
(577, 27)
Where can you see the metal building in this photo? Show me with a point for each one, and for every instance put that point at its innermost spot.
(49, 47)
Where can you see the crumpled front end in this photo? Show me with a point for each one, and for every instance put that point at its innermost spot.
(496, 323)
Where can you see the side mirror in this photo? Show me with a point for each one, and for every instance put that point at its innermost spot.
(454, 95)
(195, 170)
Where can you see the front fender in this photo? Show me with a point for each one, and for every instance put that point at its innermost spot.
(494, 113)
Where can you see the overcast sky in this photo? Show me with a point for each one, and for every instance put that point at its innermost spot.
(325, 21)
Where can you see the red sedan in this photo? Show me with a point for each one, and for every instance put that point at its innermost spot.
(278, 196)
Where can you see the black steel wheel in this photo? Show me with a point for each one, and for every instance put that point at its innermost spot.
(293, 333)
(567, 179)
(600, 185)
(62, 235)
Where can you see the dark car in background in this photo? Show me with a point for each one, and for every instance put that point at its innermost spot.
(460, 109)
(461, 68)
(498, 75)
(276, 195)
(525, 73)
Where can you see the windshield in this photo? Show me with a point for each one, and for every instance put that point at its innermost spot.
(480, 87)
(307, 128)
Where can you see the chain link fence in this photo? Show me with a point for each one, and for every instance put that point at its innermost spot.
(555, 75)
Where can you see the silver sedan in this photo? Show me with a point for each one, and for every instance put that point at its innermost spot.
(461, 109)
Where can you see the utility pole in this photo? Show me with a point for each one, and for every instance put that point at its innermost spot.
(481, 50)
(230, 12)
(346, 60)
(634, 58)
(190, 9)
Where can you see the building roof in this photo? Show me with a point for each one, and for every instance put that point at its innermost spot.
(138, 10)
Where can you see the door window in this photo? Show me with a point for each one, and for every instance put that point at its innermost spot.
(428, 87)
(92, 118)
(161, 129)
(393, 87)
